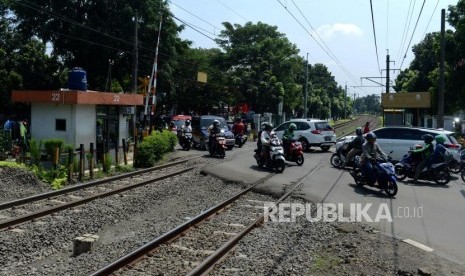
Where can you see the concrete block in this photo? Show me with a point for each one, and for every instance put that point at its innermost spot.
(84, 243)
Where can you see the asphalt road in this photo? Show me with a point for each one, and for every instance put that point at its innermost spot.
(426, 213)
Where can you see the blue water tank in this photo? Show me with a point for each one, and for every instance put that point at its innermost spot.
(77, 79)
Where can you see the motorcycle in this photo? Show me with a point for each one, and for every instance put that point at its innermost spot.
(439, 172)
(218, 146)
(338, 158)
(295, 153)
(185, 140)
(275, 157)
(240, 139)
(384, 173)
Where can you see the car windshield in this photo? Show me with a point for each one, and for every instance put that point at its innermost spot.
(323, 126)
(206, 122)
(179, 123)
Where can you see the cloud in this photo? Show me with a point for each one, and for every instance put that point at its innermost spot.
(332, 30)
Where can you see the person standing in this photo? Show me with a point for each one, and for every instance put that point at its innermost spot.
(366, 129)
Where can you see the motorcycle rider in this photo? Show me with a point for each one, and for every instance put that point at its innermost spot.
(438, 153)
(213, 130)
(186, 128)
(425, 152)
(370, 152)
(266, 139)
(238, 127)
(259, 140)
(288, 136)
(355, 146)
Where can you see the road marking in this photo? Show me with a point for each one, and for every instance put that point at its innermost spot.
(419, 245)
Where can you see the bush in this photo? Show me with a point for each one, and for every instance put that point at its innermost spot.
(153, 147)
(51, 144)
(34, 148)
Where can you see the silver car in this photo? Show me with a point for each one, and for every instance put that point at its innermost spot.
(310, 132)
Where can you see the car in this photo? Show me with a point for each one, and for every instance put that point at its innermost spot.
(179, 120)
(400, 140)
(310, 132)
(200, 134)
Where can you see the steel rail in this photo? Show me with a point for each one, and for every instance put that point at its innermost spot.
(41, 213)
(73, 188)
(139, 253)
(221, 252)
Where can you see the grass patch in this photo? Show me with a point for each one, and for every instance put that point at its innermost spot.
(13, 165)
(324, 262)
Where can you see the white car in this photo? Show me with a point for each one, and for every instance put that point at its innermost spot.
(310, 132)
(399, 140)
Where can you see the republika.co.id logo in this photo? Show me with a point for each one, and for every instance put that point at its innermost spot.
(331, 212)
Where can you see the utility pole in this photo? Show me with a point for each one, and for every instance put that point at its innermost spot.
(306, 90)
(387, 73)
(134, 74)
(441, 73)
(345, 102)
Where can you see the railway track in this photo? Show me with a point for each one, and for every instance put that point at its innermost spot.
(28, 209)
(374, 123)
(200, 243)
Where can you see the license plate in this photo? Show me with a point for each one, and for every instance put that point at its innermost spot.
(327, 138)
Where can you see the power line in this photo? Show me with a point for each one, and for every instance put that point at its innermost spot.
(435, 7)
(229, 8)
(416, 24)
(196, 16)
(404, 33)
(374, 35)
(326, 51)
(316, 33)
(190, 26)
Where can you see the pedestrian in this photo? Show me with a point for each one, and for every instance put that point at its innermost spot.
(366, 129)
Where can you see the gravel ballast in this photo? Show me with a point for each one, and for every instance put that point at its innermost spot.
(127, 221)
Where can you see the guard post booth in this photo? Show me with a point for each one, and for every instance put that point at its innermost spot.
(399, 108)
(80, 117)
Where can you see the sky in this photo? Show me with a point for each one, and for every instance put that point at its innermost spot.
(336, 33)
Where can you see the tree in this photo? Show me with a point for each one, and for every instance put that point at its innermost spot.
(262, 64)
(24, 64)
(90, 33)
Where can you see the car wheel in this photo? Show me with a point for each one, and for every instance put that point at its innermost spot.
(463, 175)
(305, 145)
(325, 148)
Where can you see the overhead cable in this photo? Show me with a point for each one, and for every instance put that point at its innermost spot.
(416, 24)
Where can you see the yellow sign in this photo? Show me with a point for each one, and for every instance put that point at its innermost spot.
(201, 77)
(406, 100)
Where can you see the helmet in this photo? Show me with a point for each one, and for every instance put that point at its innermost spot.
(370, 136)
(268, 126)
(292, 126)
(216, 123)
(440, 139)
(428, 138)
(358, 131)
(238, 120)
(188, 122)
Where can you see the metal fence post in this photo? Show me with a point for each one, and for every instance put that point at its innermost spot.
(125, 156)
(91, 161)
(81, 161)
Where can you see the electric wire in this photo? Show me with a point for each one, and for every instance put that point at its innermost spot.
(404, 33)
(319, 44)
(416, 24)
(426, 29)
(374, 35)
(196, 16)
(229, 8)
(316, 33)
